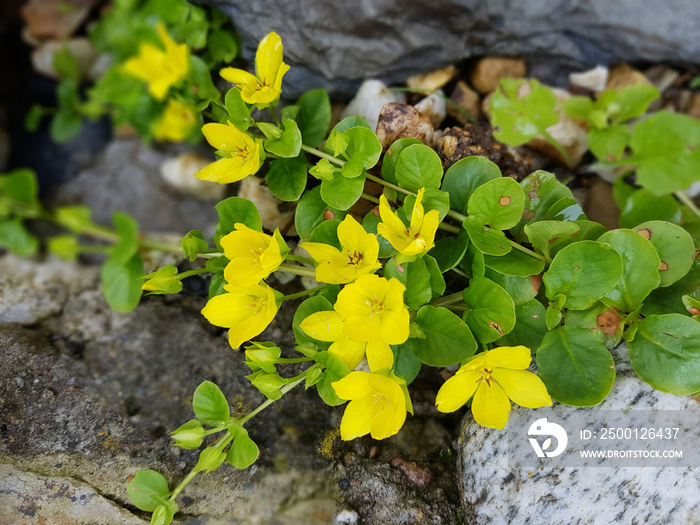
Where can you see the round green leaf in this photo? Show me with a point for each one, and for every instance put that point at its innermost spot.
(575, 366)
(584, 272)
(233, 210)
(418, 166)
(350, 122)
(143, 485)
(327, 233)
(286, 178)
(210, 405)
(121, 282)
(499, 203)
(464, 176)
(415, 277)
(392, 155)
(406, 364)
(312, 211)
(515, 263)
(521, 289)
(446, 339)
(363, 146)
(665, 353)
(640, 269)
(289, 144)
(543, 235)
(448, 251)
(587, 231)
(530, 326)
(603, 321)
(342, 192)
(492, 312)
(243, 452)
(369, 223)
(642, 206)
(15, 237)
(670, 298)
(314, 116)
(486, 240)
(675, 248)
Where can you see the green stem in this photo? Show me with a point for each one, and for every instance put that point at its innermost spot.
(275, 117)
(177, 490)
(448, 299)
(149, 243)
(286, 388)
(527, 251)
(299, 258)
(448, 227)
(554, 142)
(297, 270)
(304, 292)
(370, 198)
(190, 273)
(388, 184)
(687, 201)
(322, 155)
(291, 360)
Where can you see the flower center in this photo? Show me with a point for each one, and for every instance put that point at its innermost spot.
(241, 152)
(256, 253)
(485, 376)
(375, 307)
(355, 258)
(258, 304)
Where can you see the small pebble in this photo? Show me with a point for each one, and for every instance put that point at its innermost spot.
(489, 71)
(594, 79)
(346, 517)
(433, 80)
(368, 101)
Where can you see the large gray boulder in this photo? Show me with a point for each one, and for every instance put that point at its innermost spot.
(336, 44)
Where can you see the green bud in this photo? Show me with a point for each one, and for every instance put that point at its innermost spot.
(189, 436)
(163, 515)
(64, 246)
(313, 375)
(192, 244)
(308, 349)
(324, 170)
(210, 459)
(268, 384)
(270, 130)
(262, 355)
(337, 143)
(164, 280)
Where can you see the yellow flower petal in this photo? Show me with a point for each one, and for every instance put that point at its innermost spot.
(357, 418)
(362, 327)
(246, 82)
(268, 58)
(395, 326)
(355, 385)
(387, 421)
(456, 391)
(350, 352)
(223, 137)
(515, 357)
(379, 355)
(324, 326)
(522, 387)
(352, 235)
(491, 406)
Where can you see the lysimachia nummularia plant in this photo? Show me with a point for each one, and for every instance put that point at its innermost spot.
(532, 277)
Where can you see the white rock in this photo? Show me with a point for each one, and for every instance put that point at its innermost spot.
(495, 491)
(81, 48)
(179, 171)
(368, 101)
(693, 191)
(434, 107)
(594, 79)
(346, 517)
(268, 205)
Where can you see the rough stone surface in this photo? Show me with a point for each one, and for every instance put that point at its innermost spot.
(495, 492)
(125, 176)
(337, 45)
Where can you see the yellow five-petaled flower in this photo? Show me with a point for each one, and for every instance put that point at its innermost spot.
(252, 255)
(494, 378)
(177, 122)
(246, 312)
(369, 315)
(378, 404)
(160, 68)
(244, 151)
(415, 239)
(266, 85)
(358, 255)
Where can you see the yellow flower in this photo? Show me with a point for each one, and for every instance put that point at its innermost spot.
(266, 85)
(253, 256)
(373, 310)
(419, 237)
(494, 378)
(176, 123)
(358, 256)
(245, 154)
(378, 404)
(245, 311)
(329, 326)
(160, 69)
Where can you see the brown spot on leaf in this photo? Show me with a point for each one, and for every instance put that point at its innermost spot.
(400, 268)
(694, 310)
(536, 282)
(663, 266)
(328, 215)
(609, 322)
(695, 255)
(504, 201)
(645, 232)
(496, 326)
(527, 215)
(552, 241)
(375, 211)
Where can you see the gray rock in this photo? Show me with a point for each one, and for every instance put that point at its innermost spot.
(337, 45)
(493, 490)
